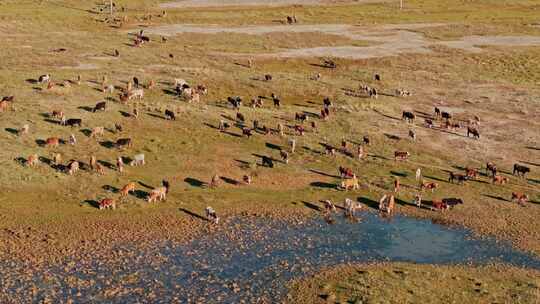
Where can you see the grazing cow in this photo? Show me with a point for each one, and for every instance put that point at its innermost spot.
(99, 169)
(211, 215)
(350, 183)
(57, 114)
(299, 129)
(44, 78)
(157, 194)
(329, 206)
(360, 152)
(267, 77)
(490, 167)
(130, 187)
(471, 173)
(32, 160)
(276, 100)
(72, 140)
(4, 105)
(412, 135)
(329, 64)
(401, 155)
(366, 140)
(451, 202)
(170, 115)
(460, 178)
(387, 203)
(408, 116)
(446, 115)
(214, 183)
(52, 142)
(124, 142)
(73, 167)
(8, 98)
(240, 117)
(201, 89)
(267, 162)
(520, 198)
(138, 160)
(350, 207)
(327, 103)
(474, 132)
(437, 112)
(373, 93)
(120, 164)
(520, 170)
(418, 175)
(235, 101)
(439, 205)
(223, 125)
(97, 131)
(72, 122)
(417, 200)
(429, 123)
(284, 156)
(429, 186)
(107, 203)
(300, 117)
(100, 106)
(137, 93)
(501, 180)
(194, 97)
(345, 172)
(118, 127)
(247, 179)
(247, 132)
(330, 150)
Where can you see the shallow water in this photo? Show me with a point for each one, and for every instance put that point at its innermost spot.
(252, 260)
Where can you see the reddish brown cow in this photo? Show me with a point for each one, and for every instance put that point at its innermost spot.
(429, 186)
(401, 155)
(521, 198)
(127, 188)
(471, 173)
(439, 205)
(52, 142)
(501, 180)
(107, 203)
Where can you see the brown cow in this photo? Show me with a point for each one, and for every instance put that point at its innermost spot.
(521, 198)
(4, 105)
(501, 180)
(32, 160)
(351, 183)
(158, 194)
(387, 204)
(107, 203)
(429, 186)
(130, 187)
(439, 205)
(471, 173)
(460, 178)
(52, 142)
(97, 131)
(401, 155)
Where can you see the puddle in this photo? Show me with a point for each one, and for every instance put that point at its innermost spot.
(252, 260)
(388, 40)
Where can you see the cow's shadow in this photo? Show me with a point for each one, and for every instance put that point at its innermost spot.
(194, 182)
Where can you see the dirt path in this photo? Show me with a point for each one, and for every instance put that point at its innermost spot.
(221, 3)
(389, 40)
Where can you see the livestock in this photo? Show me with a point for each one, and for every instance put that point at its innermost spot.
(329, 64)
(120, 164)
(292, 144)
(124, 142)
(326, 102)
(471, 173)
(267, 162)
(491, 167)
(429, 186)
(211, 215)
(350, 207)
(235, 101)
(214, 183)
(408, 116)
(138, 160)
(179, 82)
(412, 135)
(100, 106)
(451, 202)
(501, 180)
(300, 117)
(107, 203)
(72, 122)
(345, 172)
(329, 206)
(8, 98)
(157, 194)
(437, 112)
(57, 158)
(439, 205)
(194, 97)
(52, 142)
(520, 170)
(474, 132)
(429, 123)
(73, 167)
(446, 115)
(223, 125)
(460, 178)
(4, 105)
(387, 203)
(136, 82)
(284, 156)
(520, 198)
(201, 89)
(240, 117)
(44, 78)
(170, 115)
(23, 130)
(137, 93)
(32, 160)
(417, 200)
(366, 140)
(130, 187)
(57, 114)
(97, 131)
(401, 155)
(247, 132)
(72, 140)
(267, 77)
(247, 179)
(276, 100)
(351, 183)
(300, 130)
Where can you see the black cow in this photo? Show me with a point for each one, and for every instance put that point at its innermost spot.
(100, 106)
(408, 116)
(170, 115)
(123, 142)
(72, 122)
(366, 140)
(521, 170)
(327, 102)
(460, 178)
(240, 117)
(474, 132)
(247, 132)
(300, 117)
(235, 101)
(267, 77)
(446, 115)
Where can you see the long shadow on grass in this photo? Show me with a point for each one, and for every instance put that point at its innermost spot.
(323, 185)
(500, 198)
(230, 181)
(323, 173)
(436, 178)
(110, 188)
(193, 214)
(312, 206)
(369, 202)
(272, 146)
(12, 131)
(92, 203)
(194, 182)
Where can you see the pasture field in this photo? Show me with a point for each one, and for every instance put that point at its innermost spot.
(450, 54)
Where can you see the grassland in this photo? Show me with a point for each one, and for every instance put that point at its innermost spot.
(47, 215)
(410, 283)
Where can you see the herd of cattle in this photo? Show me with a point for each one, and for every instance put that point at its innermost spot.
(349, 180)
